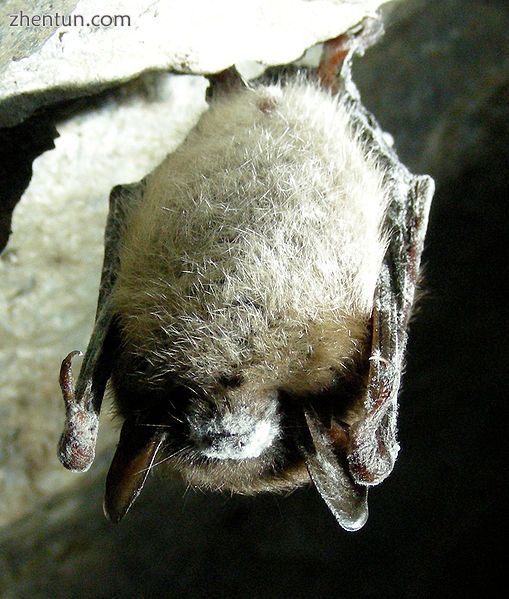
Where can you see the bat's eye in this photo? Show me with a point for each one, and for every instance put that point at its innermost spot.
(233, 436)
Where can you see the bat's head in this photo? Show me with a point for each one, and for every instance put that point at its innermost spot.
(243, 432)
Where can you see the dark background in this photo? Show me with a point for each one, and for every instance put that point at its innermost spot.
(439, 82)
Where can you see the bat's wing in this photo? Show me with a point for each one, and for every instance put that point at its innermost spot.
(76, 449)
(364, 454)
(373, 445)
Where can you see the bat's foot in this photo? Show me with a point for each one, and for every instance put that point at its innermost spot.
(224, 81)
(338, 50)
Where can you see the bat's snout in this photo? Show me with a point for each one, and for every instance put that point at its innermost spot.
(234, 436)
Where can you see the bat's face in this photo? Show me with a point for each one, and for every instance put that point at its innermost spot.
(244, 432)
(224, 438)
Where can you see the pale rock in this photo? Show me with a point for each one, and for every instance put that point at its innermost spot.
(192, 36)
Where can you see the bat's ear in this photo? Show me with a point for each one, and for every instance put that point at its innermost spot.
(329, 471)
(135, 455)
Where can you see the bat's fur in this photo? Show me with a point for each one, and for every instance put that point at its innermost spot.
(249, 269)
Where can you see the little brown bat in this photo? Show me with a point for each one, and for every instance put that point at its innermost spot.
(254, 301)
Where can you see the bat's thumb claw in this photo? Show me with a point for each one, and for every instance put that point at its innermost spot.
(372, 453)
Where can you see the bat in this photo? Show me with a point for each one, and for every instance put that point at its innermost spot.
(254, 300)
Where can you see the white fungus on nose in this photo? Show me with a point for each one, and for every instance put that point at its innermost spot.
(235, 436)
(243, 446)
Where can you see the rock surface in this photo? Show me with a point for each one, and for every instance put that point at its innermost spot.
(190, 36)
(18, 41)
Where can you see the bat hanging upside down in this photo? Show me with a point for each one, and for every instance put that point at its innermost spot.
(254, 302)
